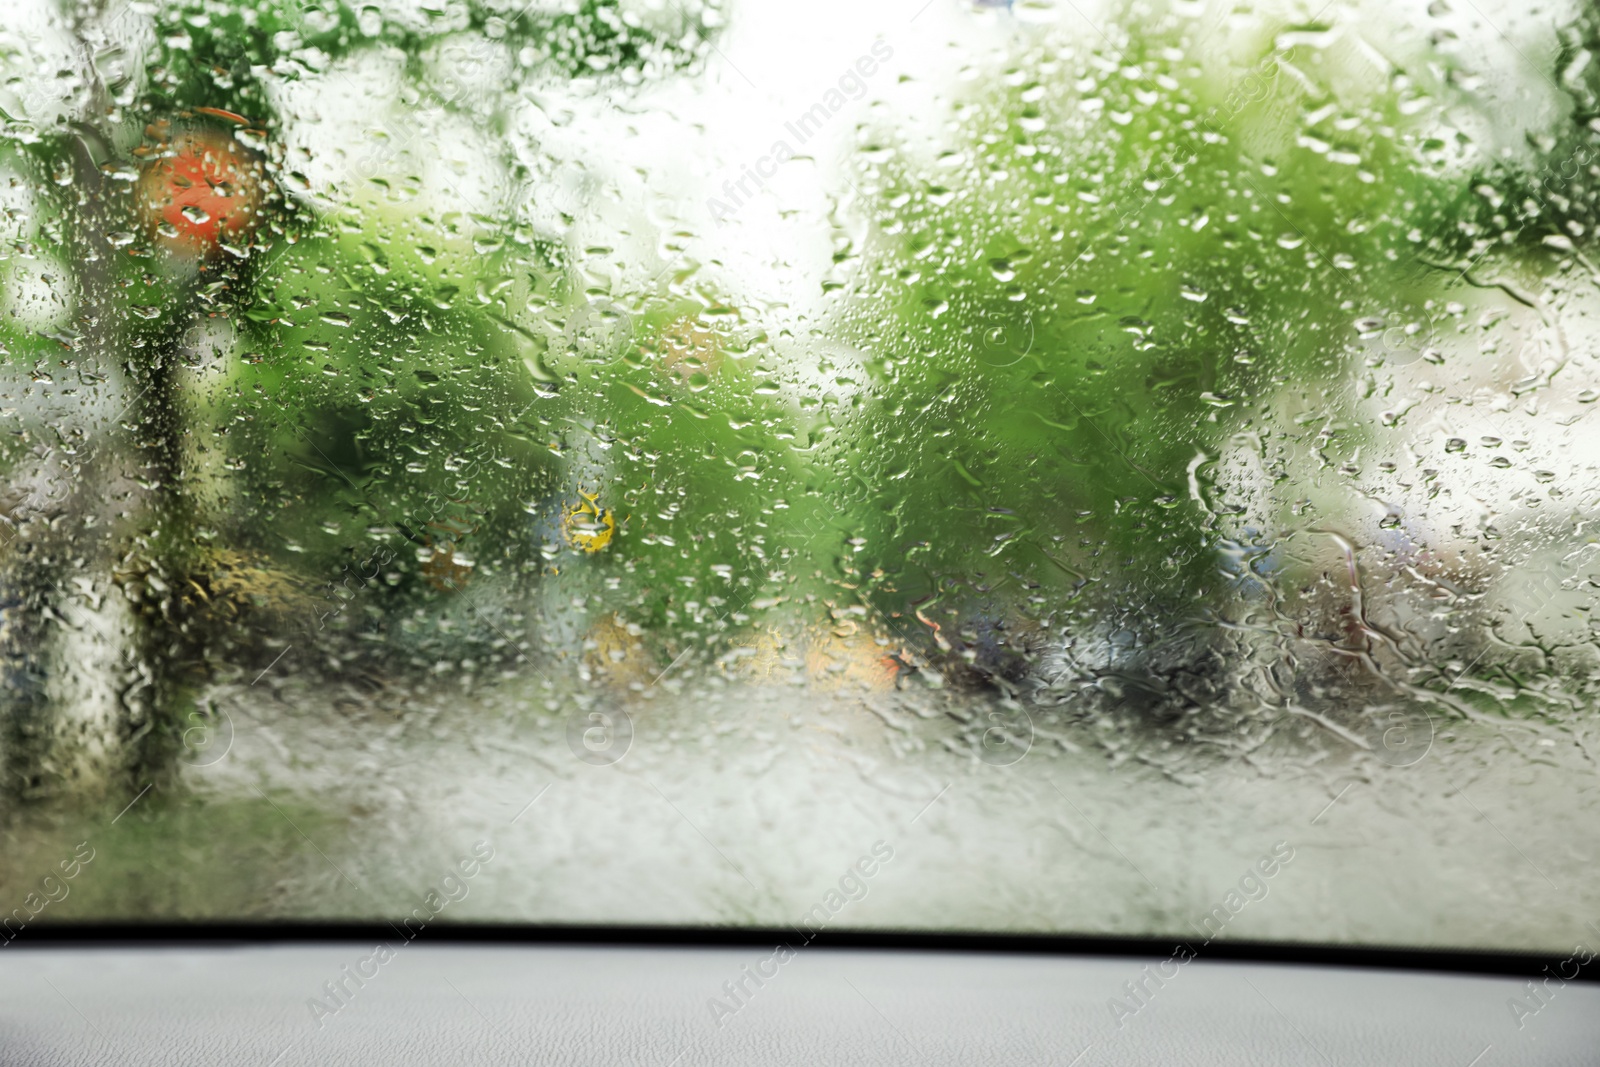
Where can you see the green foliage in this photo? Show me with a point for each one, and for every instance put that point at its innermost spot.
(215, 54)
(1125, 261)
(1077, 304)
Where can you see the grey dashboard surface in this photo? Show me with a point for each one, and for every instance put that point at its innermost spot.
(419, 1004)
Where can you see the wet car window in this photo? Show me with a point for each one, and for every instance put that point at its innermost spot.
(1115, 468)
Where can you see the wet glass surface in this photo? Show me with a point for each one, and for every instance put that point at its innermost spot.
(1127, 462)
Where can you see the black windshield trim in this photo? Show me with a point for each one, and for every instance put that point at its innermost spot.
(1388, 957)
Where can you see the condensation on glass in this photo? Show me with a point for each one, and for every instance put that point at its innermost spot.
(1094, 450)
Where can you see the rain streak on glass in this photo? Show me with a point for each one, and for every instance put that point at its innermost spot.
(1082, 444)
